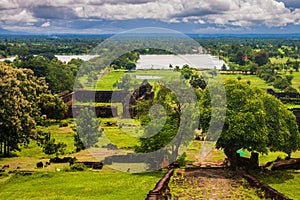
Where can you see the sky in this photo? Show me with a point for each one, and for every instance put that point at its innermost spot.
(115, 16)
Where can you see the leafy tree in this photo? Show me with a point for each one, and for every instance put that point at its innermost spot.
(172, 125)
(197, 81)
(49, 145)
(52, 106)
(130, 66)
(296, 66)
(281, 83)
(224, 68)
(18, 106)
(59, 78)
(261, 58)
(126, 83)
(169, 129)
(254, 121)
(239, 59)
(87, 128)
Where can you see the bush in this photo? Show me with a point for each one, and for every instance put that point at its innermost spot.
(78, 167)
(182, 160)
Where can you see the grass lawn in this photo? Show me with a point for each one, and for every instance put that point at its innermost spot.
(107, 82)
(254, 80)
(104, 185)
(137, 77)
(296, 81)
(286, 182)
(283, 60)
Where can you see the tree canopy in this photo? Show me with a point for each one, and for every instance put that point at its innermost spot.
(18, 106)
(87, 128)
(255, 121)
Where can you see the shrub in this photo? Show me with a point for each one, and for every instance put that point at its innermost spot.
(182, 160)
(78, 167)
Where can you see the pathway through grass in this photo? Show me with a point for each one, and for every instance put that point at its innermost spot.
(210, 184)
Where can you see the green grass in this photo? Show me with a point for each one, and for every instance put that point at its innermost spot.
(296, 80)
(166, 76)
(107, 82)
(254, 80)
(121, 138)
(60, 134)
(286, 182)
(277, 60)
(104, 185)
(291, 106)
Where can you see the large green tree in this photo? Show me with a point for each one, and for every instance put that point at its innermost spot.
(255, 121)
(18, 106)
(87, 128)
(52, 106)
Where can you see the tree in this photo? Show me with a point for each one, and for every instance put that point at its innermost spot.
(125, 83)
(261, 58)
(59, 77)
(20, 90)
(52, 106)
(49, 145)
(165, 133)
(224, 68)
(281, 83)
(255, 121)
(87, 128)
(197, 81)
(172, 125)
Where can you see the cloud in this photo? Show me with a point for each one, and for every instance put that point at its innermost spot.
(51, 12)
(17, 16)
(85, 14)
(46, 24)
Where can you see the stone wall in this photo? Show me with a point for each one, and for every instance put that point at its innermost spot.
(269, 193)
(100, 111)
(100, 96)
(161, 190)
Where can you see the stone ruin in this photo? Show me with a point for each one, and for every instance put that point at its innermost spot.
(144, 92)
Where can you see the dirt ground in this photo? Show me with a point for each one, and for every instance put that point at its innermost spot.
(210, 184)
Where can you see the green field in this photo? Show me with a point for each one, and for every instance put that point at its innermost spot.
(254, 80)
(281, 60)
(137, 77)
(107, 82)
(284, 181)
(104, 185)
(296, 80)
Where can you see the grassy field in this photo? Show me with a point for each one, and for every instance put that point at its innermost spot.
(296, 81)
(286, 182)
(104, 185)
(48, 183)
(107, 82)
(137, 77)
(254, 80)
(281, 60)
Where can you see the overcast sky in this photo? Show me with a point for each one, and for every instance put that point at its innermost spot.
(188, 16)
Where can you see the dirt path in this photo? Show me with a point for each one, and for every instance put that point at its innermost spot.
(210, 184)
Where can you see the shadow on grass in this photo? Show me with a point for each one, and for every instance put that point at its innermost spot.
(158, 174)
(11, 155)
(274, 177)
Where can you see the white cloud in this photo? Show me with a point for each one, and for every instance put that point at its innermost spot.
(17, 16)
(239, 13)
(46, 24)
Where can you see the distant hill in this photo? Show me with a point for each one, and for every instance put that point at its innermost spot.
(7, 32)
(4, 31)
